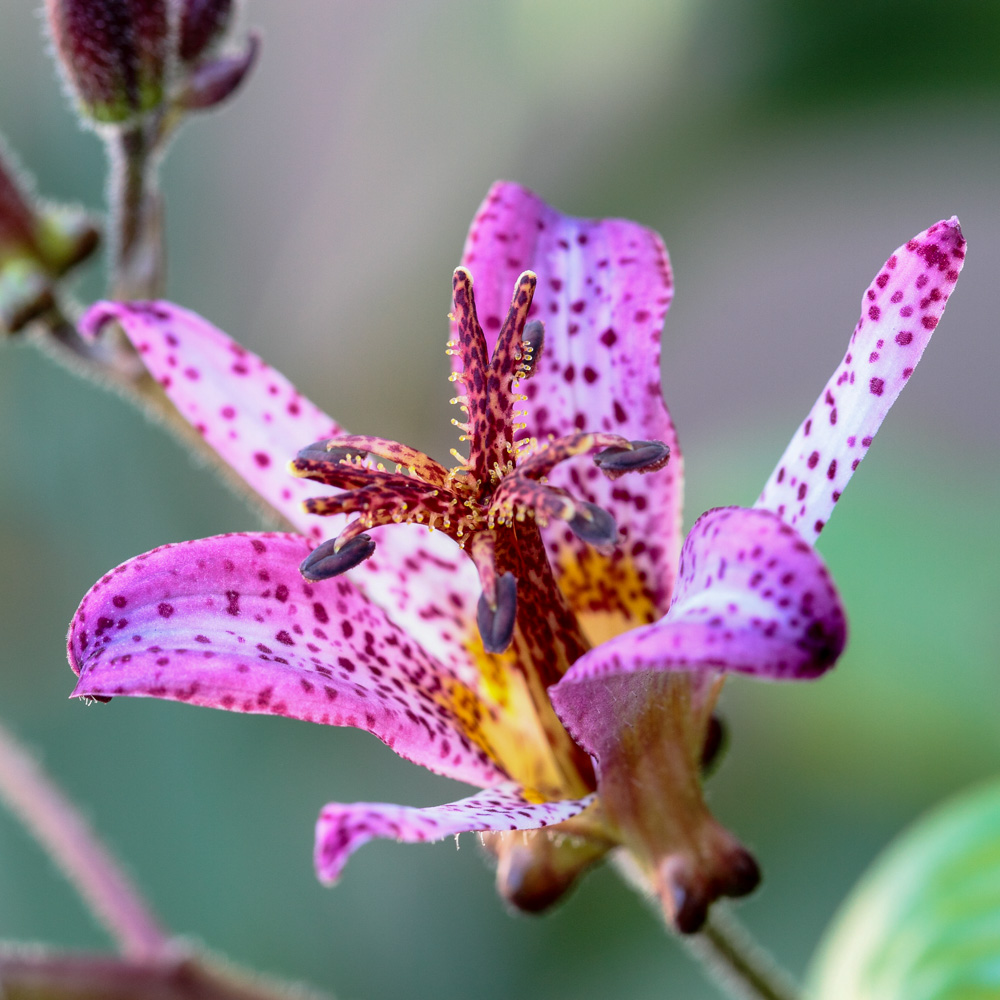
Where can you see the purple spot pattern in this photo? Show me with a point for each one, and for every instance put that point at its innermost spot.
(257, 421)
(246, 633)
(899, 312)
(752, 597)
(603, 290)
(342, 829)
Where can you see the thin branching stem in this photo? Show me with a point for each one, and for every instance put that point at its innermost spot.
(99, 879)
(737, 962)
(138, 259)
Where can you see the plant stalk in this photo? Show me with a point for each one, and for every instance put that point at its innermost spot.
(97, 876)
(737, 963)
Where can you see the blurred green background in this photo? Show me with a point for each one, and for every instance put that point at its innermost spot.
(783, 149)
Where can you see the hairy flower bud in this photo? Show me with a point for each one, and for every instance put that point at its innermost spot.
(210, 82)
(113, 54)
(38, 244)
(203, 23)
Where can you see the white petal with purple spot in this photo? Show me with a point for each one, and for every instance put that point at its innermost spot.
(899, 312)
(342, 829)
(228, 622)
(603, 290)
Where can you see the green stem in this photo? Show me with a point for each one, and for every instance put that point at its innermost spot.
(34, 974)
(111, 362)
(737, 963)
(137, 250)
(88, 865)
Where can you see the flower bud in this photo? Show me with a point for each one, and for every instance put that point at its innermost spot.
(210, 82)
(38, 244)
(112, 54)
(203, 23)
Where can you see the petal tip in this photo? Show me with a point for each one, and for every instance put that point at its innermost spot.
(96, 317)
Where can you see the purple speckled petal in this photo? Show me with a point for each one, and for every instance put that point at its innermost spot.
(899, 312)
(228, 622)
(603, 290)
(257, 421)
(752, 597)
(249, 413)
(342, 829)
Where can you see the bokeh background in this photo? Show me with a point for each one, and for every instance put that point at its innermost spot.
(783, 149)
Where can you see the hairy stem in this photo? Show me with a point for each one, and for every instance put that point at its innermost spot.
(137, 251)
(737, 963)
(55, 824)
(34, 974)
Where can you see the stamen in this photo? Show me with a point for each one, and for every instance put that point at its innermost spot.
(533, 339)
(318, 452)
(496, 621)
(593, 524)
(643, 456)
(327, 560)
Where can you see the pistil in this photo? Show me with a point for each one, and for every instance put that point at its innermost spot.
(493, 504)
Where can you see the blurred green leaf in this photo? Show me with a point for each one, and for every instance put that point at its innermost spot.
(924, 923)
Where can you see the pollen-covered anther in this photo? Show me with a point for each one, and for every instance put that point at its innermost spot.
(328, 560)
(533, 340)
(318, 452)
(642, 456)
(496, 618)
(593, 524)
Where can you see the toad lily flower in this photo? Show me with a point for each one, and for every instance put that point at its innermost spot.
(565, 656)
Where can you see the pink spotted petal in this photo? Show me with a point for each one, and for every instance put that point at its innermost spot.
(899, 312)
(249, 413)
(752, 597)
(603, 290)
(257, 421)
(342, 829)
(228, 622)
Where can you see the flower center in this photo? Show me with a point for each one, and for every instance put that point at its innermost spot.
(492, 504)
(490, 498)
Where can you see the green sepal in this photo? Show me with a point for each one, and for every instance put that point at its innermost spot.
(25, 293)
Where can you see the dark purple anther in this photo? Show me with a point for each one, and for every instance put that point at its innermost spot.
(594, 525)
(496, 623)
(326, 561)
(317, 452)
(113, 53)
(533, 337)
(644, 456)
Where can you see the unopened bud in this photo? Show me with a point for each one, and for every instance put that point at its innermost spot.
(210, 82)
(17, 217)
(113, 54)
(38, 244)
(203, 24)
